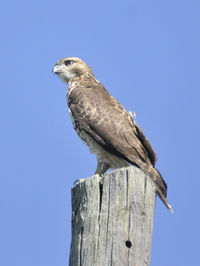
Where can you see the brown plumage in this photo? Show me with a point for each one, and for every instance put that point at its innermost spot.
(105, 126)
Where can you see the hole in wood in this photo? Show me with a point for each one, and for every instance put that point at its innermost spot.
(128, 244)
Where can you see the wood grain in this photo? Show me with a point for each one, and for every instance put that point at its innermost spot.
(112, 219)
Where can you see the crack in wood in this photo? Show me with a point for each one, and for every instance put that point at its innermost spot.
(100, 198)
(126, 189)
(128, 257)
(108, 216)
(100, 206)
(145, 188)
(111, 257)
(81, 246)
(77, 208)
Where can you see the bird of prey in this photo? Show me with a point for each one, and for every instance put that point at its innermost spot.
(105, 126)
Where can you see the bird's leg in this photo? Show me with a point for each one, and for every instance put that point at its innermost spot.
(98, 169)
(101, 168)
(105, 167)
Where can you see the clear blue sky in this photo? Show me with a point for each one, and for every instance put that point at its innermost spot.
(147, 54)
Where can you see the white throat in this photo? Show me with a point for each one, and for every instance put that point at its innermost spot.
(66, 76)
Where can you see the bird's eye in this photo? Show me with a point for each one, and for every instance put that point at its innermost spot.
(68, 62)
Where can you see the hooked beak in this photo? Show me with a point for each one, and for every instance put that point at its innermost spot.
(55, 69)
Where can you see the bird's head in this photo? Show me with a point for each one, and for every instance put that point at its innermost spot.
(71, 67)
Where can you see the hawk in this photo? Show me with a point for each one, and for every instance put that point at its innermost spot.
(105, 126)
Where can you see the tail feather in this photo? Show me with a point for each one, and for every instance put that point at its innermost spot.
(169, 207)
(161, 186)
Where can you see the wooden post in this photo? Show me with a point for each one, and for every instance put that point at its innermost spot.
(112, 219)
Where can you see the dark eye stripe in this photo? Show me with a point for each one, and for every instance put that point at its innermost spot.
(68, 62)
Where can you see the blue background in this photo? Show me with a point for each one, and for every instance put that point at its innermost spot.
(146, 53)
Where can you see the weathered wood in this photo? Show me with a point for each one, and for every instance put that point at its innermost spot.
(112, 219)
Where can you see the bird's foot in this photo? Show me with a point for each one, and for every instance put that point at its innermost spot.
(101, 168)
